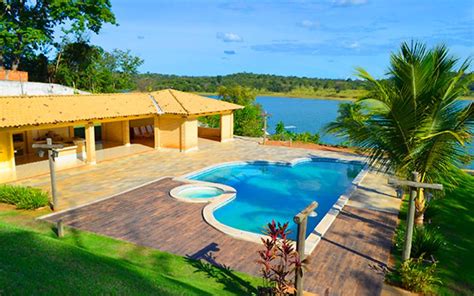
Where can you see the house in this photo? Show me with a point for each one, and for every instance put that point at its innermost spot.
(166, 119)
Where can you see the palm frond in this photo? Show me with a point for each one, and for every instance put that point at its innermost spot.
(413, 120)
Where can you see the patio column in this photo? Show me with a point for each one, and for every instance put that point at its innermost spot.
(156, 132)
(227, 127)
(126, 132)
(90, 143)
(189, 135)
(7, 154)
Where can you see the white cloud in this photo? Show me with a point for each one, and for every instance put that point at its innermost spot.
(353, 45)
(229, 37)
(349, 2)
(309, 24)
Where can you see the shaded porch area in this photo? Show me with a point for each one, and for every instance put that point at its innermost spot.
(85, 125)
(83, 144)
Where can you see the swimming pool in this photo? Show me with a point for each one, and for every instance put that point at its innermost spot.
(275, 191)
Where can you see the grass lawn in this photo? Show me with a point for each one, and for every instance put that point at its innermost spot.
(453, 217)
(33, 261)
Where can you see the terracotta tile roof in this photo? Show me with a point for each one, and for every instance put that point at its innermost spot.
(177, 102)
(36, 110)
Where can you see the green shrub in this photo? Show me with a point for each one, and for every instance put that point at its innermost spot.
(417, 275)
(306, 137)
(26, 198)
(426, 240)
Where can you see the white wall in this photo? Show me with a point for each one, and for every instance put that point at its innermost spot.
(16, 88)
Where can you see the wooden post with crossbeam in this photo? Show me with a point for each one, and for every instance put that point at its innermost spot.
(52, 153)
(414, 185)
(301, 220)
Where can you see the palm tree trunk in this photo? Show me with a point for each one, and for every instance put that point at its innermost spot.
(420, 205)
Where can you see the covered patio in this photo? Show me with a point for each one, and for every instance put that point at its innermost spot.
(102, 127)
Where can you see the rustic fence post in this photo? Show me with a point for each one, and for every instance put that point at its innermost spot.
(52, 154)
(410, 219)
(60, 228)
(414, 186)
(301, 220)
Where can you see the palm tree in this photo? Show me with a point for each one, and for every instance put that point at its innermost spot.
(414, 120)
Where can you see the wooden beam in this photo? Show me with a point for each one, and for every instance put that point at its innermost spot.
(301, 219)
(46, 146)
(304, 213)
(410, 219)
(414, 184)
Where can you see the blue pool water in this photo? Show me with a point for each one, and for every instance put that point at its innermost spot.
(200, 192)
(272, 191)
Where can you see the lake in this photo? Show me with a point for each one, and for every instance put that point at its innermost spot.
(307, 115)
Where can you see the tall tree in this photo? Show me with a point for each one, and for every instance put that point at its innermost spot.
(91, 68)
(249, 120)
(27, 26)
(414, 120)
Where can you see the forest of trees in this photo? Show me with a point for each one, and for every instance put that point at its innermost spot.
(261, 82)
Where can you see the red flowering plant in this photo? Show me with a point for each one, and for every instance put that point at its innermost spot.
(279, 261)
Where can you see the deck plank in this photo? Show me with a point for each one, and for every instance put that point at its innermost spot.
(341, 264)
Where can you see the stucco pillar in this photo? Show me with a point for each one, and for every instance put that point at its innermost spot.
(126, 132)
(90, 143)
(7, 154)
(156, 132)
(189, 135)
(232, 125)
(227, 127)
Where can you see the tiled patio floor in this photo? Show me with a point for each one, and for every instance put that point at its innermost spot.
(346, 262)
(87, 183)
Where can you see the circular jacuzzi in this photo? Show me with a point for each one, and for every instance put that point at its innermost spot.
(200, 192)
(197, 192)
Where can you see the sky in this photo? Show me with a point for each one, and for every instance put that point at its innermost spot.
(325, 39)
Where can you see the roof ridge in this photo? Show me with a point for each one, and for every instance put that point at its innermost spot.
(179, 102)
(155, 103)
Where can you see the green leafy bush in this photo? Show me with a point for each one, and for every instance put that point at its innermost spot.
(426, 240)
(306, 137)
(418, 276)
(281, 134)
(27, 198)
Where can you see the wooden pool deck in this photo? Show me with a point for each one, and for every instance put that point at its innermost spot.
(347, 261)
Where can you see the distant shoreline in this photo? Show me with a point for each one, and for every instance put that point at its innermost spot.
(314, 97)
(293, 96)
